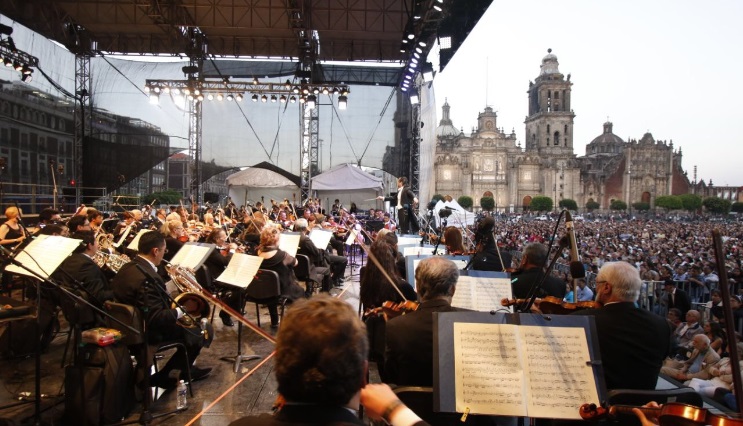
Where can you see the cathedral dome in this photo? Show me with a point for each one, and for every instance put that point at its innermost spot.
(549, 64)
(607, 137)
(446, 127)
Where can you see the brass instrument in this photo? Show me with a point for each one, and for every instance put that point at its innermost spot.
(190, 289)
(105, 240)
(106, 259)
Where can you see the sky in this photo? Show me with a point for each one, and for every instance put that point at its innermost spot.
(665, 67)
(662, 66)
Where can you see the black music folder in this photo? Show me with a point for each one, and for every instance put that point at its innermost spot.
(540, 366)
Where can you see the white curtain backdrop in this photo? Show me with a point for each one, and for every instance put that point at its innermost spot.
(428, 145)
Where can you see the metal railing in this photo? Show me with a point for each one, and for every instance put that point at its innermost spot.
(32, 198)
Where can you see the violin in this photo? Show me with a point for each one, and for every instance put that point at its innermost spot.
(554, 305)
(390, 309)
(669, 413)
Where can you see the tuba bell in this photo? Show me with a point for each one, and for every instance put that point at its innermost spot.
(185, 280)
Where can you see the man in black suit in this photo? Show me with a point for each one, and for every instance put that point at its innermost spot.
(676, 298)
(633, 341)
(321, 370)
(316, 256)
(531, 270)
(404, 203)
(139, 284)
(488, 257)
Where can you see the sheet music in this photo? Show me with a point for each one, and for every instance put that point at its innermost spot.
(289, 242)
(482, 294)
(134, 245)
(490, 371)
(43, 255)
(320, 238)
(512, 370)
(557, 377)
(352, 237)
(413, 251)
(241, 270)
(124, 234)
(192, 255)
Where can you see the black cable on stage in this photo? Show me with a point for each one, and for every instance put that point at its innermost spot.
(358, 160)
(55, 84)
(125, 77)
(276, 138)
(381, 115)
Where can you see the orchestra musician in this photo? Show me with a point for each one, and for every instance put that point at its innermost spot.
(140, 284)
(216, 263)
(453, 241)
(316, 256)
(95, 218)
(404, 203)
(488, 256)
(388, 224)
(530, 272)
(282, 263)
(336, 208)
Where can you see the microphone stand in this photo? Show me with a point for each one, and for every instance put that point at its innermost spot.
(441, 235)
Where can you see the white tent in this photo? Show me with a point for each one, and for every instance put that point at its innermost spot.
(255, 182)
(459, 217)
(348, 183)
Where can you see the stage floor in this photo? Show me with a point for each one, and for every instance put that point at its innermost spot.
(222, 397)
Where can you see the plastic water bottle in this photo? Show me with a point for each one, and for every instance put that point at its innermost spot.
(182, 402)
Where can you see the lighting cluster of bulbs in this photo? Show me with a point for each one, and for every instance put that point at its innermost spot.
(25, 70)
(12, 57)
(235, 91)
(417, 48)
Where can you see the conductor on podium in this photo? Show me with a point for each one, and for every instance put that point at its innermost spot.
(404, 203)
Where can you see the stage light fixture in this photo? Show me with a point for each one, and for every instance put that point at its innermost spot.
(413, 60)
(26, 78)
(166, 89)
(17, 65)
(190, 97)
(419, 50)
(427, 70)
(264, 98)
(230, 97)
(288, 84)
(416, 55)
(154, 99)
(335, 90)
(186, 91)
(176, 91)
(414, 99)
(255, 80)
(239, 97)
(156, 89)
(220, 97)
(295, 89)
(437, 8)
(8, 62)
(273, 98)
(411, 36)
(200, 98)
(316, 91)
(345, 91)
(254, 98)
(445, 42)
(147, 89)
(422, 43)
(325, 90)
(293, 99)
(311, 101)
(210, 97)
(342, 102)
(196, 92)
(404, 89)
(402, 49)
(305, 91)
(282, 99)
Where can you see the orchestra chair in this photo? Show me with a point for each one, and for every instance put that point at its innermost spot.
(265, 288)
(635, 397)
(303, 273)
(132, 317)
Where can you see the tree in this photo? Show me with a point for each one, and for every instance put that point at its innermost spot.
(641, 206)
(540, 203)
(716, 205)
(592, 205)
(567, 203)
(436, 198)
(691, 202)
(165, 197)
(737, 207)
(668, 202)
(618, 205)
(466, 202)
(487, 203)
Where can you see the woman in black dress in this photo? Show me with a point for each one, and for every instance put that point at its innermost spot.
(279, 261)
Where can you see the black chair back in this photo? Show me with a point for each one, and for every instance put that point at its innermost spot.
(302, 270)
(265, 285)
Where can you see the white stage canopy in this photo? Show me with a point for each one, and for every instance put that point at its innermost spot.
(255, 182)
(348, 183)
(459, 216)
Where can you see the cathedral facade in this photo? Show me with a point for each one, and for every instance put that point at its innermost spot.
(490, 162)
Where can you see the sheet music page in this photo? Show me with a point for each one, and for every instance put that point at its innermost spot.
(241, 270)
(320, 238)
(490, 369)
(351, 237)
(558, 380)
(289, 242)
(43, 255)
(124, 234)
(134, 245)
(192, 255)
(482, 294)
(412, 251)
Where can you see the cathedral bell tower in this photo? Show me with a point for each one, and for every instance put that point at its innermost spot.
(549, 125)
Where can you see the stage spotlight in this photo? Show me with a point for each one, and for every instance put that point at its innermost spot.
(8, 62)
(404, 89)
(419, 50)
(413, 60)
(255, 80)
(166, 89)
(210, 97)
(325, 90)
(147, 89)
(411, 36)
(154, 98)
(335, 90)
(254, 98)
(196, 92)
(230, 97)
(156, 89)
(293, 99)
(414, 98)
(176, 91)
(200, 98)
(342, 102)
(422, 43)
(282, 99)
(273, 98)
(264, 98)
(17, 65)
(220, 97)
(186, 91)
(305, 91)
(427, 70)
(295, 89)
(26, 78)
(6, 30)
(416, 55)
(445, 42)
(311, 101)
(288, 84)
(316, 91)
(437, 8)
(239, 97)
(301, 99)
(190, 97)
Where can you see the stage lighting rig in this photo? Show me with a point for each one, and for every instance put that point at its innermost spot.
(15, 58)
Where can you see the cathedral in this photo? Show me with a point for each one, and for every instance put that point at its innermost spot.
(490, 162)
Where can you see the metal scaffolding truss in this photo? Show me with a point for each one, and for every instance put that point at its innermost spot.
(309, 148)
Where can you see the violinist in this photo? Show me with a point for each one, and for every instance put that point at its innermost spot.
(453, 241)
(488, 256)
(530, 272)
(175, 237)
(318, 266)
(387, 223)
(216, 263)
(633, 341)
